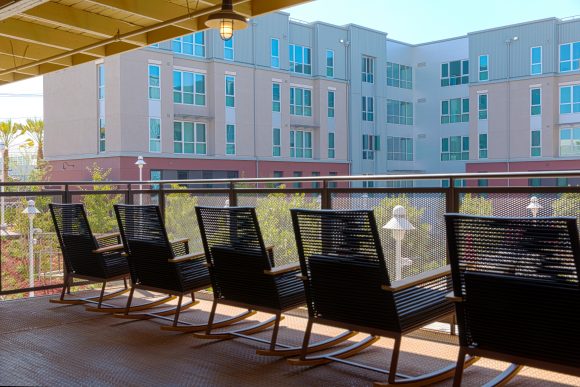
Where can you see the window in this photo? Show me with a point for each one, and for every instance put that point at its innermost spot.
(399, 183)
(536, 60)
(154, 85)
(275, 97)
(230, 91)
(192, 44)
(455, 110)
(276, 142)
(101, 80)
(275, 53)
(300, 102)
(188, 88)
(368, 69)
(332, 184)
(535, 102)
(569, 56)
(483, 145)
(482, 182)
(482, 106)
(330, 63)
(536, 142)
(371, 143)
(315, 184)
(154, 135)
(331, 150)
(297, 184)
(189, 138)
(569, 99)
(300, 61)
(399, 112)
(535, 182)
(399, 75)
(102, 135)
(368, 109)
(399, 148)
(300, 144)
(230, 139)
(484, 67)
(455, 73)
(454, 148)
(368, 183)
(331, 104)
(229, 49)
(569, 142)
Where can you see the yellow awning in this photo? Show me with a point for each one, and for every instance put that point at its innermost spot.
(40, 36)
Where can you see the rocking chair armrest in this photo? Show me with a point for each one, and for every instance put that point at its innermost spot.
(179, 240)
(453, 298)
(418, 279)
(108, 249)
(108, 235)
(187, 257)
(283, 269)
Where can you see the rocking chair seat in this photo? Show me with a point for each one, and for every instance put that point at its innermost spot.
(115, 264)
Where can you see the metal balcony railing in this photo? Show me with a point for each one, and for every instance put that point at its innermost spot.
(423, 248)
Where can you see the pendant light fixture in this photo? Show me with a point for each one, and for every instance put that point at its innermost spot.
(226, 21)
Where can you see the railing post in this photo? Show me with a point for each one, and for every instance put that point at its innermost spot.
(161, 194)
(129, 195)
(326, 200)
(67, 196)
(232, 195)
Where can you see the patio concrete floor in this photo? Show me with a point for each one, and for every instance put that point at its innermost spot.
(49, 344)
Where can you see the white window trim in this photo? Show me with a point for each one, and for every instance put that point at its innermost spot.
(226, 90)
(194, 88)
(231, 143)
(275, 56)
(277, 145)
(160, 135)
(326, 66)
(531, 105)
(149, 81)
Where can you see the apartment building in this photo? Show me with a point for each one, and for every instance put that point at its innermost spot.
(525, 97)
(270, 102)
(288, 98)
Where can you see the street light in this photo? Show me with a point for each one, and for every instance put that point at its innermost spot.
(534, 206)
(399, 225)
(31, 211)
(140, 163)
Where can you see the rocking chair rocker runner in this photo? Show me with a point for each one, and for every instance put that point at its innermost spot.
(243, 274)
(516, 291)
(158, 265)
(97, 259)
(347, 285)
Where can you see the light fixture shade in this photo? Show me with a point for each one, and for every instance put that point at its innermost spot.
(226, 21)
(399, 220)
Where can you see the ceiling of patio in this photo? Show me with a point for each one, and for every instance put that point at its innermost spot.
(40, 36)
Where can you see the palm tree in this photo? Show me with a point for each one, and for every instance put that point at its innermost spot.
(8, 133)
(35, 129)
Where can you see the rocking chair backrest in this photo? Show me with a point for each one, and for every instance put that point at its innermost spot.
(145, 239)
(236, 253)
(341, 255)
(519, 281)
(76, 239)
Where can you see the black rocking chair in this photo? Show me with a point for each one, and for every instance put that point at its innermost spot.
(516, 291)
(87, 257)
(244, 275)
(161, 266)
(348, 286)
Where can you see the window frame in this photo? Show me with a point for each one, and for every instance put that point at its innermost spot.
(230, 99)
(397, 75)
(102, 135)
(331, 104)
(479, 68)
(151, 85)
(276, 103)
(275, 59)
(331, 145)
(455, 155)
(482, 113)
(463, 77)
(101, 81)
(532, 63)
(538, 110)
(463, 115)
(196, 127)
(537, 147)
(574, 63)
(178, 44)
(153, 140)
(229, 48)
(305, 53)
(370, 145)
(398, 148)
(482, 150)
(574, 142)
(276, 148)
(230, 145)
(330, 68)
(368, 69)
(573, 106)
(368, 108)
(400, 112)
(303, 151)
(306, 110)
(195, 94)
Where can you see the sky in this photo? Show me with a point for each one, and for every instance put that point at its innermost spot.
(411, 21)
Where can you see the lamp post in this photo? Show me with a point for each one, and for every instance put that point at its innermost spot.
(31, 211)
(140, 163)
(399, 225)
(534, 206)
